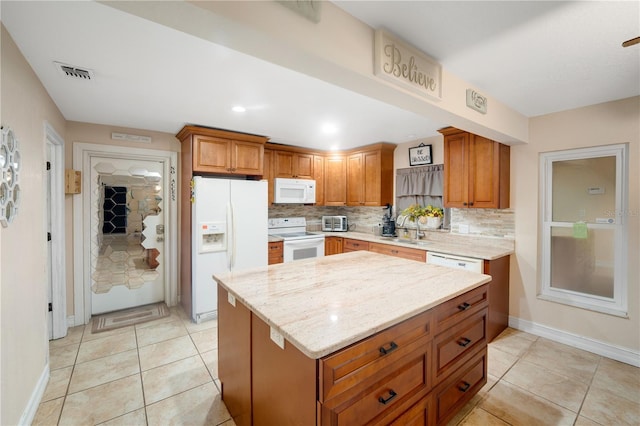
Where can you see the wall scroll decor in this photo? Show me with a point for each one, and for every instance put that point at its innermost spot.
(420, 155)
(10, 167)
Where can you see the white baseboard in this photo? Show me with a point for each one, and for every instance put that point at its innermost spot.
(30, 410)
(619, 353)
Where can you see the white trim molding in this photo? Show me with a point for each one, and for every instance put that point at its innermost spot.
(58, 246)
(30, 410)
(619, 353)
(82, 154)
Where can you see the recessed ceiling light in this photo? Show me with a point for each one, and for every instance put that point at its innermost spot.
(329, 128)
(238, 108)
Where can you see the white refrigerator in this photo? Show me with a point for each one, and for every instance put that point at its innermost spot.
(229, 220)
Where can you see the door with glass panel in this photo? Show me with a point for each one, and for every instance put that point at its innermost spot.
(127, 233)
(583, 228)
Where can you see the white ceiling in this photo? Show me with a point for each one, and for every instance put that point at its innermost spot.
(536, 57)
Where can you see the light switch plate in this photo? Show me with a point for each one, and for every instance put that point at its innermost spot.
(231, 299)
(277, 338)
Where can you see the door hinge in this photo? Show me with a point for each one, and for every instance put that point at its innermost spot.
(48, 165)
(48, 236)
(50, 307)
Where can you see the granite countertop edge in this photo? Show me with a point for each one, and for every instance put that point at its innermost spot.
(317, 348)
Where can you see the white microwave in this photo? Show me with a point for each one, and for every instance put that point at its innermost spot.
(294, 191)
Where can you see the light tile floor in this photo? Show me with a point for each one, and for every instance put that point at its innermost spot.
(165, 372)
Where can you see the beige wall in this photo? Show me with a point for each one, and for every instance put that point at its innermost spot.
(24, 347)
(101, 134)
(603, 124)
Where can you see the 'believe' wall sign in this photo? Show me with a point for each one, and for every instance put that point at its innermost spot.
(404, 65)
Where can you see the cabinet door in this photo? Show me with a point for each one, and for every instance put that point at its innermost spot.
(211, 155)
(456, 170)
(371, 178)
(234, 359)
(332, 245)
(335, 188)
(484, 170)
(247, 158)
(355, 180)
(293, 165)
(318, 175)
(275, 251)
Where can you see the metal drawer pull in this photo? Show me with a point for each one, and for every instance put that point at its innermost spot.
(464, 306)
(392, 347)
(464, 342)
(392, 395)
(465, 387)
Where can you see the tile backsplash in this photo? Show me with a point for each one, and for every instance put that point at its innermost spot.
(481, 222)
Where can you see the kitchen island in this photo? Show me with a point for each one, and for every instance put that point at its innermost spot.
(347, 339)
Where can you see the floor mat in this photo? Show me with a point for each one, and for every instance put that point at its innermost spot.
(127, 317)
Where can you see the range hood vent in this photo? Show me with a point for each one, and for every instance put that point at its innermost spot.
(74, 72)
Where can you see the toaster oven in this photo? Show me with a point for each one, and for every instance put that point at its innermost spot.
(334, 223)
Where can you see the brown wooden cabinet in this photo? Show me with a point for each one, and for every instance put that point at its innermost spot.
(275, 252)
(397, 251)
(268, 174)
(332, 245)
(215, 151)
(370, 176)
(335, 180)
(354, 245)
(318, 176)
(476, 171)
(297, 165)
(208, 151)
(420, 371)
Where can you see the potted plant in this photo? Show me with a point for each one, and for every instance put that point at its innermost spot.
(432, 217)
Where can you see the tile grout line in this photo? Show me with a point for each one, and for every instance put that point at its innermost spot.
(73, 369)
(584, 398)
(144, 399)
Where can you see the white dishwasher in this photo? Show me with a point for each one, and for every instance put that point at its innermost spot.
(456, 262)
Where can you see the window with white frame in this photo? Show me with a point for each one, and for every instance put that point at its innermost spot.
(583, 226)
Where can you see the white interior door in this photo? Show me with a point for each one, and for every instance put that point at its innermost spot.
(49, 246)
(127, 233)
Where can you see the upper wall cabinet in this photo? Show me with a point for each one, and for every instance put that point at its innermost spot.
(476, 171)
(370, 176)
(223, 152)
(293, 165)
(335, 180)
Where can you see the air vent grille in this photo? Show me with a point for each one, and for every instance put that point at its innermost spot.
(73, 72)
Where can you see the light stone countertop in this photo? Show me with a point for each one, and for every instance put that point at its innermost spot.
(442, 242)
(324, 304)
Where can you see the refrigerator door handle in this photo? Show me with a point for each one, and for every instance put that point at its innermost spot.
(231, 246)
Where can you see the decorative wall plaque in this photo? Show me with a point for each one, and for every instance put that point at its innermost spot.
(476, 101)
(404, 65)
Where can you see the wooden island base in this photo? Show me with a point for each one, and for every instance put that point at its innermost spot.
(420, 371)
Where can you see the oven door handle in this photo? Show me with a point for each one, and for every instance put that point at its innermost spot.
(308, 242)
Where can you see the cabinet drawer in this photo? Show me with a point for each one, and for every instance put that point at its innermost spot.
(352, 245)
(382, 397)
(403, 252)
(419, 414)
(460, 388)
(365, 362)
(454, 347)
(275, 252)
(461, 307)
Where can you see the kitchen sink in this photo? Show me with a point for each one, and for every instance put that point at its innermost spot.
(406, 241)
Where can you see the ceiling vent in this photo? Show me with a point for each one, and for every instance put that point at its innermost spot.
(74, 72)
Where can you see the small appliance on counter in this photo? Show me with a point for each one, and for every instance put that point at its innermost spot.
(334, 224)
(388, 223)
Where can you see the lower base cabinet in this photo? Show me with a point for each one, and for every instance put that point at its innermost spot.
(418, 372)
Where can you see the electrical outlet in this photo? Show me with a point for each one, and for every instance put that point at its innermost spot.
(463, 228)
